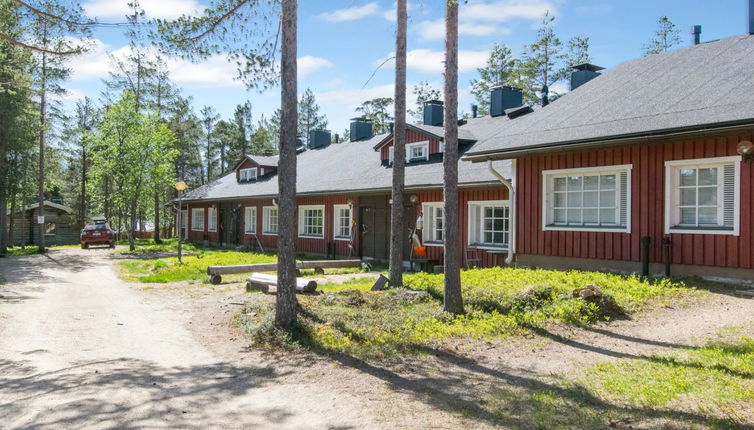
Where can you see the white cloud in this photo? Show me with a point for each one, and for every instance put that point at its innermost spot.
(428, 61)
(351, 13)
(310, 64)
(93, 64)
(484, 19)
(165, 9)
(214, 72)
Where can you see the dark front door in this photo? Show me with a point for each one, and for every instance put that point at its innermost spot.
(228, 217)
(374, 227)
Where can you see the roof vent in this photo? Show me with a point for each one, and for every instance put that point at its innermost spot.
(584, 73)
(319, 139)
(361, 129)
(751, 17)
(503, 98)
(696, 32)
(433, 113)
(518, 111)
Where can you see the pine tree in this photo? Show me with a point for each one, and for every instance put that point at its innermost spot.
(666, 37)
(309, 117)
(376, 110)
(542, 60)
(209, 119)
(423, 92)
(498, 71)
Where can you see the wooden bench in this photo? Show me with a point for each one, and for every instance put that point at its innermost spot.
(266, 283)
(215, 272)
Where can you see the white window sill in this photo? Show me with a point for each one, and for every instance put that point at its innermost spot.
(342, 238)
(250, 232)
(211, 231)
(196, 229)
(693, 230)
(435, 244)
(309, 236)
(269, 233)
(487, 248)
(587, 229)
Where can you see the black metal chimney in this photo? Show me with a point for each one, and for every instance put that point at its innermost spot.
(751, 17)
(474, 110)
(696, 31)
(545, 94)
(433, 112)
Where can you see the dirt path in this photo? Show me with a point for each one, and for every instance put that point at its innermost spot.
(81, 349)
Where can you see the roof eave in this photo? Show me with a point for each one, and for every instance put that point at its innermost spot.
(574, 145)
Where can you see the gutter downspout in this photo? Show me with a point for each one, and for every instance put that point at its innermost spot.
(511, 205)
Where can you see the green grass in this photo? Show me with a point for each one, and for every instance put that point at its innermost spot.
(708, 387)
(33, 250)
(194, 267)
(500, 302)
(148, 246)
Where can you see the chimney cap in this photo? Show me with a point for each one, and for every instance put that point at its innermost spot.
(587, 66)
(505, 87)
(433, 102)
(361, 119)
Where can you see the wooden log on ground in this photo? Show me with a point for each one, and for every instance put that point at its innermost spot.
(268, 267)
(264, 282)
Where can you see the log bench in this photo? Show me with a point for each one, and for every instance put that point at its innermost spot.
(215, 272)
(264, 282)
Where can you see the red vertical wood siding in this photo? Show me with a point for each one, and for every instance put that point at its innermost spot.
(465, 196)
(412, 136)
(647, 206)
(197, 236)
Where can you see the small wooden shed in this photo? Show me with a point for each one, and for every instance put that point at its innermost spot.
(61, 227)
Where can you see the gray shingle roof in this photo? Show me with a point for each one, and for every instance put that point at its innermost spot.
(345, 167)
(696, 87)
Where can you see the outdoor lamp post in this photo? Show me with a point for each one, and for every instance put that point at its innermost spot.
(180, 186)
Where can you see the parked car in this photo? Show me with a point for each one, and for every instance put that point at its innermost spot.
(98, 232)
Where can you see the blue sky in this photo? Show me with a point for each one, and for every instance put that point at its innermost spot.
(341, 43)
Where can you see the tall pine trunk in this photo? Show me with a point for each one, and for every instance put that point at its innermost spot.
(285, 310)
(3, 225)
(157, 217)
(42, 125)
(397, 232)
(453, 299)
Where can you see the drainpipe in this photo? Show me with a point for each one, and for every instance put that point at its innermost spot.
(511, 207)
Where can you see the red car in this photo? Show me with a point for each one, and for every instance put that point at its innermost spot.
(97, 233)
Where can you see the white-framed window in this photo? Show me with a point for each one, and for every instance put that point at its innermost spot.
(702, 196)
(249, 174)
(270, 221)
(433, 220)
(311, 221)
(197, 219)
(342, 222)
(417, 151)
(250, 220)
(489, 224)
(212, 224)
(587, 199)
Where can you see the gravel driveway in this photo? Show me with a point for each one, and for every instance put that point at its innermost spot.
(79, 348)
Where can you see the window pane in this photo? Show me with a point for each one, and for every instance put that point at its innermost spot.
(591, 199)
(560, 184)
(499, 212)
(498, 238)
(488, 224)
(498, 224)
(607, 216)
(591, 182)
(574, 199)
(688, 177)
(708, 176)
(708, 216)
(590, 216)
(688, 196)
(574, 216)
(560, 200)
(574, 183)
(688, 216)
(607, 199)
(707, 195)
(560, 215)
(487, 237)
(607, 182)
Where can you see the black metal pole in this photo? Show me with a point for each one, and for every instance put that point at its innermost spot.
(645, 240)
(667, 244)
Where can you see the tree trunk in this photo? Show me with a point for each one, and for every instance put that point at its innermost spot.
(3, 225)
(41, 182)
(285, 310)
(82, 209)
(11, 223)
(157, 217)
(132, 229)
(452, 263)
(397, 232)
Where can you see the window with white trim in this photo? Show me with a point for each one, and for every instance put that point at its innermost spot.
(434, 218)
(417, 151)
(249, 174)
(270, 220)
(489, 224)
(702, 196)
(250, 220)
(342, 222)
(197, 219)
(587, 199)
(311, 221)
(212, 224)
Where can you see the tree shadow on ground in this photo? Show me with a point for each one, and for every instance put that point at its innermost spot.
(136, 394)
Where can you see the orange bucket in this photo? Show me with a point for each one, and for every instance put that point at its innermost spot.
(420, 251)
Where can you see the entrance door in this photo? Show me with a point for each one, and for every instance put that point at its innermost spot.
(228, 224)
(374, 227)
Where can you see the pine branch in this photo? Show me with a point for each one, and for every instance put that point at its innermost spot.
(52, 16)
(375, 71)
(15, 42)
(217, 22)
